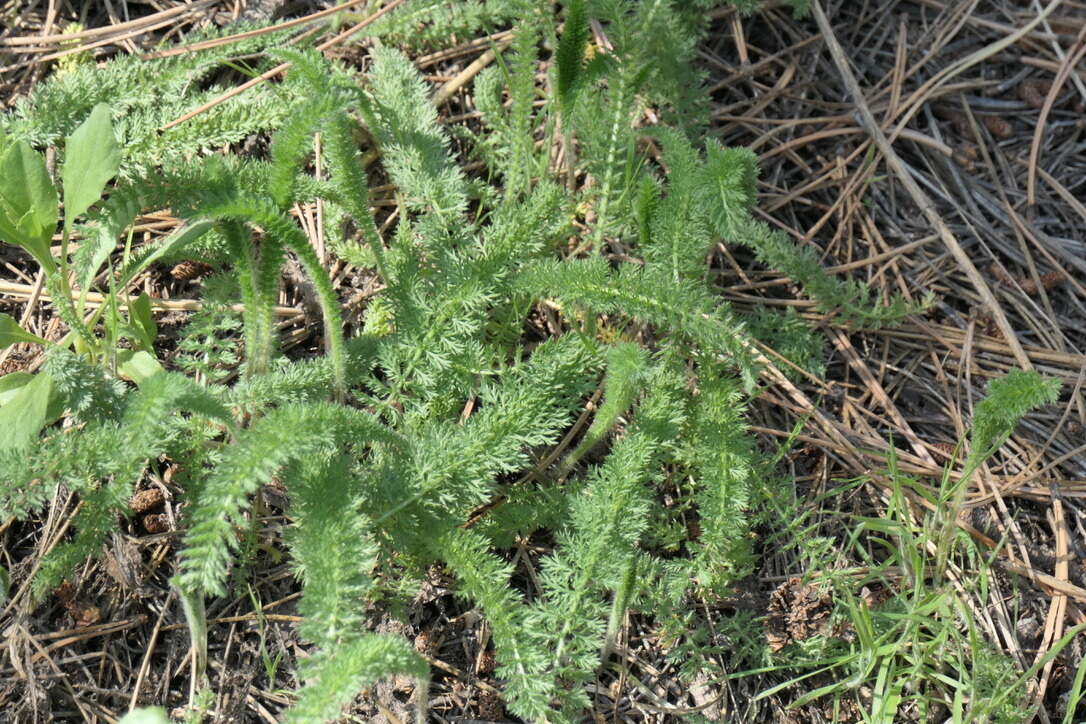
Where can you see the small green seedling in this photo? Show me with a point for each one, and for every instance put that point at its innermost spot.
(29, 209)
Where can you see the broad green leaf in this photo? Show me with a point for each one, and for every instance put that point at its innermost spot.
(12, 233)
(11, 333)
(28, 201)
(142, 321)
(23, 417)
(149, 715)
(92, 158)
(11, 383)
(137, 366)
(25, 187)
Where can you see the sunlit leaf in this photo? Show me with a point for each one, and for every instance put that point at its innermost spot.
(92, 159)
(28, 201)
(11, 333)
(23, 417)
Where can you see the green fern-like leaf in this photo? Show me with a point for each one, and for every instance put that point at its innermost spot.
(627, 365)
(1004, 405)
(290, 145)
(339, 675)
(569, 58)
(521, 71)
(414, 148)
(284, 435)
(332, 549)
(719, 451)
(146, 95)
(429, 23)
(521, 658)
(350, 183)
(281, 232)
(609, 517)
(648, 295)
(850, 299)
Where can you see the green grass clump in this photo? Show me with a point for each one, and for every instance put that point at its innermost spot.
(907, 644)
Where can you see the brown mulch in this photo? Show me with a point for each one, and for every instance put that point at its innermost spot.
(997, 146)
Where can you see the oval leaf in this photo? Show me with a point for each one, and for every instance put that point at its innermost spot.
(142, 321)
(28, 201)
(92, 158)
(23, 417)
(11, 333)
(137, 366)
(149, 715)
(11, 383)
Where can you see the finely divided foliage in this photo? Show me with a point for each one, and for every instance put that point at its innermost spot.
(383, 465)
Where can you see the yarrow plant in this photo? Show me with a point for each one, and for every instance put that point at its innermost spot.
(457, 419)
